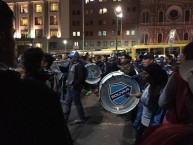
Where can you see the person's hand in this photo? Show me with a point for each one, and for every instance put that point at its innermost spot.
(138, 95)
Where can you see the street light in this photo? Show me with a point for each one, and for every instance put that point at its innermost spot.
(119, 14)
(65, 42)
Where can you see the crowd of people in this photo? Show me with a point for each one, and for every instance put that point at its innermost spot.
(33, 89)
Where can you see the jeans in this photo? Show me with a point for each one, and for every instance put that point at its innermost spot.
(73, 95)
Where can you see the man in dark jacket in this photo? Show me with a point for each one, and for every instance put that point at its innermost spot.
(30, 112)
(74, 83)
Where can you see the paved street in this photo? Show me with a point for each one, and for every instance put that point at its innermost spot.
(101, 127)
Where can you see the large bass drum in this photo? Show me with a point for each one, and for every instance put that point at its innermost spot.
(93, 73)
(117, 92)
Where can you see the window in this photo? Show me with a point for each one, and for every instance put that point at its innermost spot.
(128, 32)
(145, 17)
(53, 33)
(133, 43)
(119, 43)
(187, 16)
(102, 33)
(24, 21)
(53, 7)
(126, 43)
(38, 8)
(186, 36)
(52, 45)
(75, 23)
(76, 33)
(98, 43)
(24, 8)
(91, 43)
(102, 0)
(132, 32)
(53, 20)
(38, 20)
(38, 33)
(161, 16)
(76, 12)
(116, 0)
(104, 43)
(113, 33)
(102, 22)
(112, 43)
(102, 11)
(38, 44)
(144, 38)
(86, 1)
(159, 38)
(24, 33)
(85, 43)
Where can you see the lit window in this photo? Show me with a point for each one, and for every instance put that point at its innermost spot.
(78, 33)
(99, 33)
(53, 20)
(38, 20)
(24, 8)
(128, 32)
(73, 33)
(38, 44)
(24, 33)
(53, 33)
(24, 21)
(132, 32)
(53, 7)
(102, 11)
(38, 8)
(104, 33)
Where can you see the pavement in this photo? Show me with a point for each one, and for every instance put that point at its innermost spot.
(101, 127)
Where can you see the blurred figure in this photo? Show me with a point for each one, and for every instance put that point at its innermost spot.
(31, 113)
(173, 97)
(152, 114)
(126, 66)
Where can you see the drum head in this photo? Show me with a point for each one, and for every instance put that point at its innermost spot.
(93, 73)
(117, 93)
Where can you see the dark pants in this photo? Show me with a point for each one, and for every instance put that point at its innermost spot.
(73, 95)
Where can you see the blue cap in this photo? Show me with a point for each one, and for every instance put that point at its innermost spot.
(73, 54)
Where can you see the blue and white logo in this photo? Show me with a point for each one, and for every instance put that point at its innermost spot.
(119, 93)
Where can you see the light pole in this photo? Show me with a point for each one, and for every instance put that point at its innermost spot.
(119, 14)
(65, 42)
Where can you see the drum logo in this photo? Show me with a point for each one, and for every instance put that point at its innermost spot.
(119, 93)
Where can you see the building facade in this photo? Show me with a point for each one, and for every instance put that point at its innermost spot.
(40, 23)
(92, 25)
(158, 17)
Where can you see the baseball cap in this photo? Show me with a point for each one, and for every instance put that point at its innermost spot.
(137, 54)
(148, 56)
(73, 54)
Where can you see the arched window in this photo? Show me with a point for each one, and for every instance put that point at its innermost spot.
(145, 17)
(161, 16)
(187, 16)
(185, 36)
(144, 38)
(159, 38)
